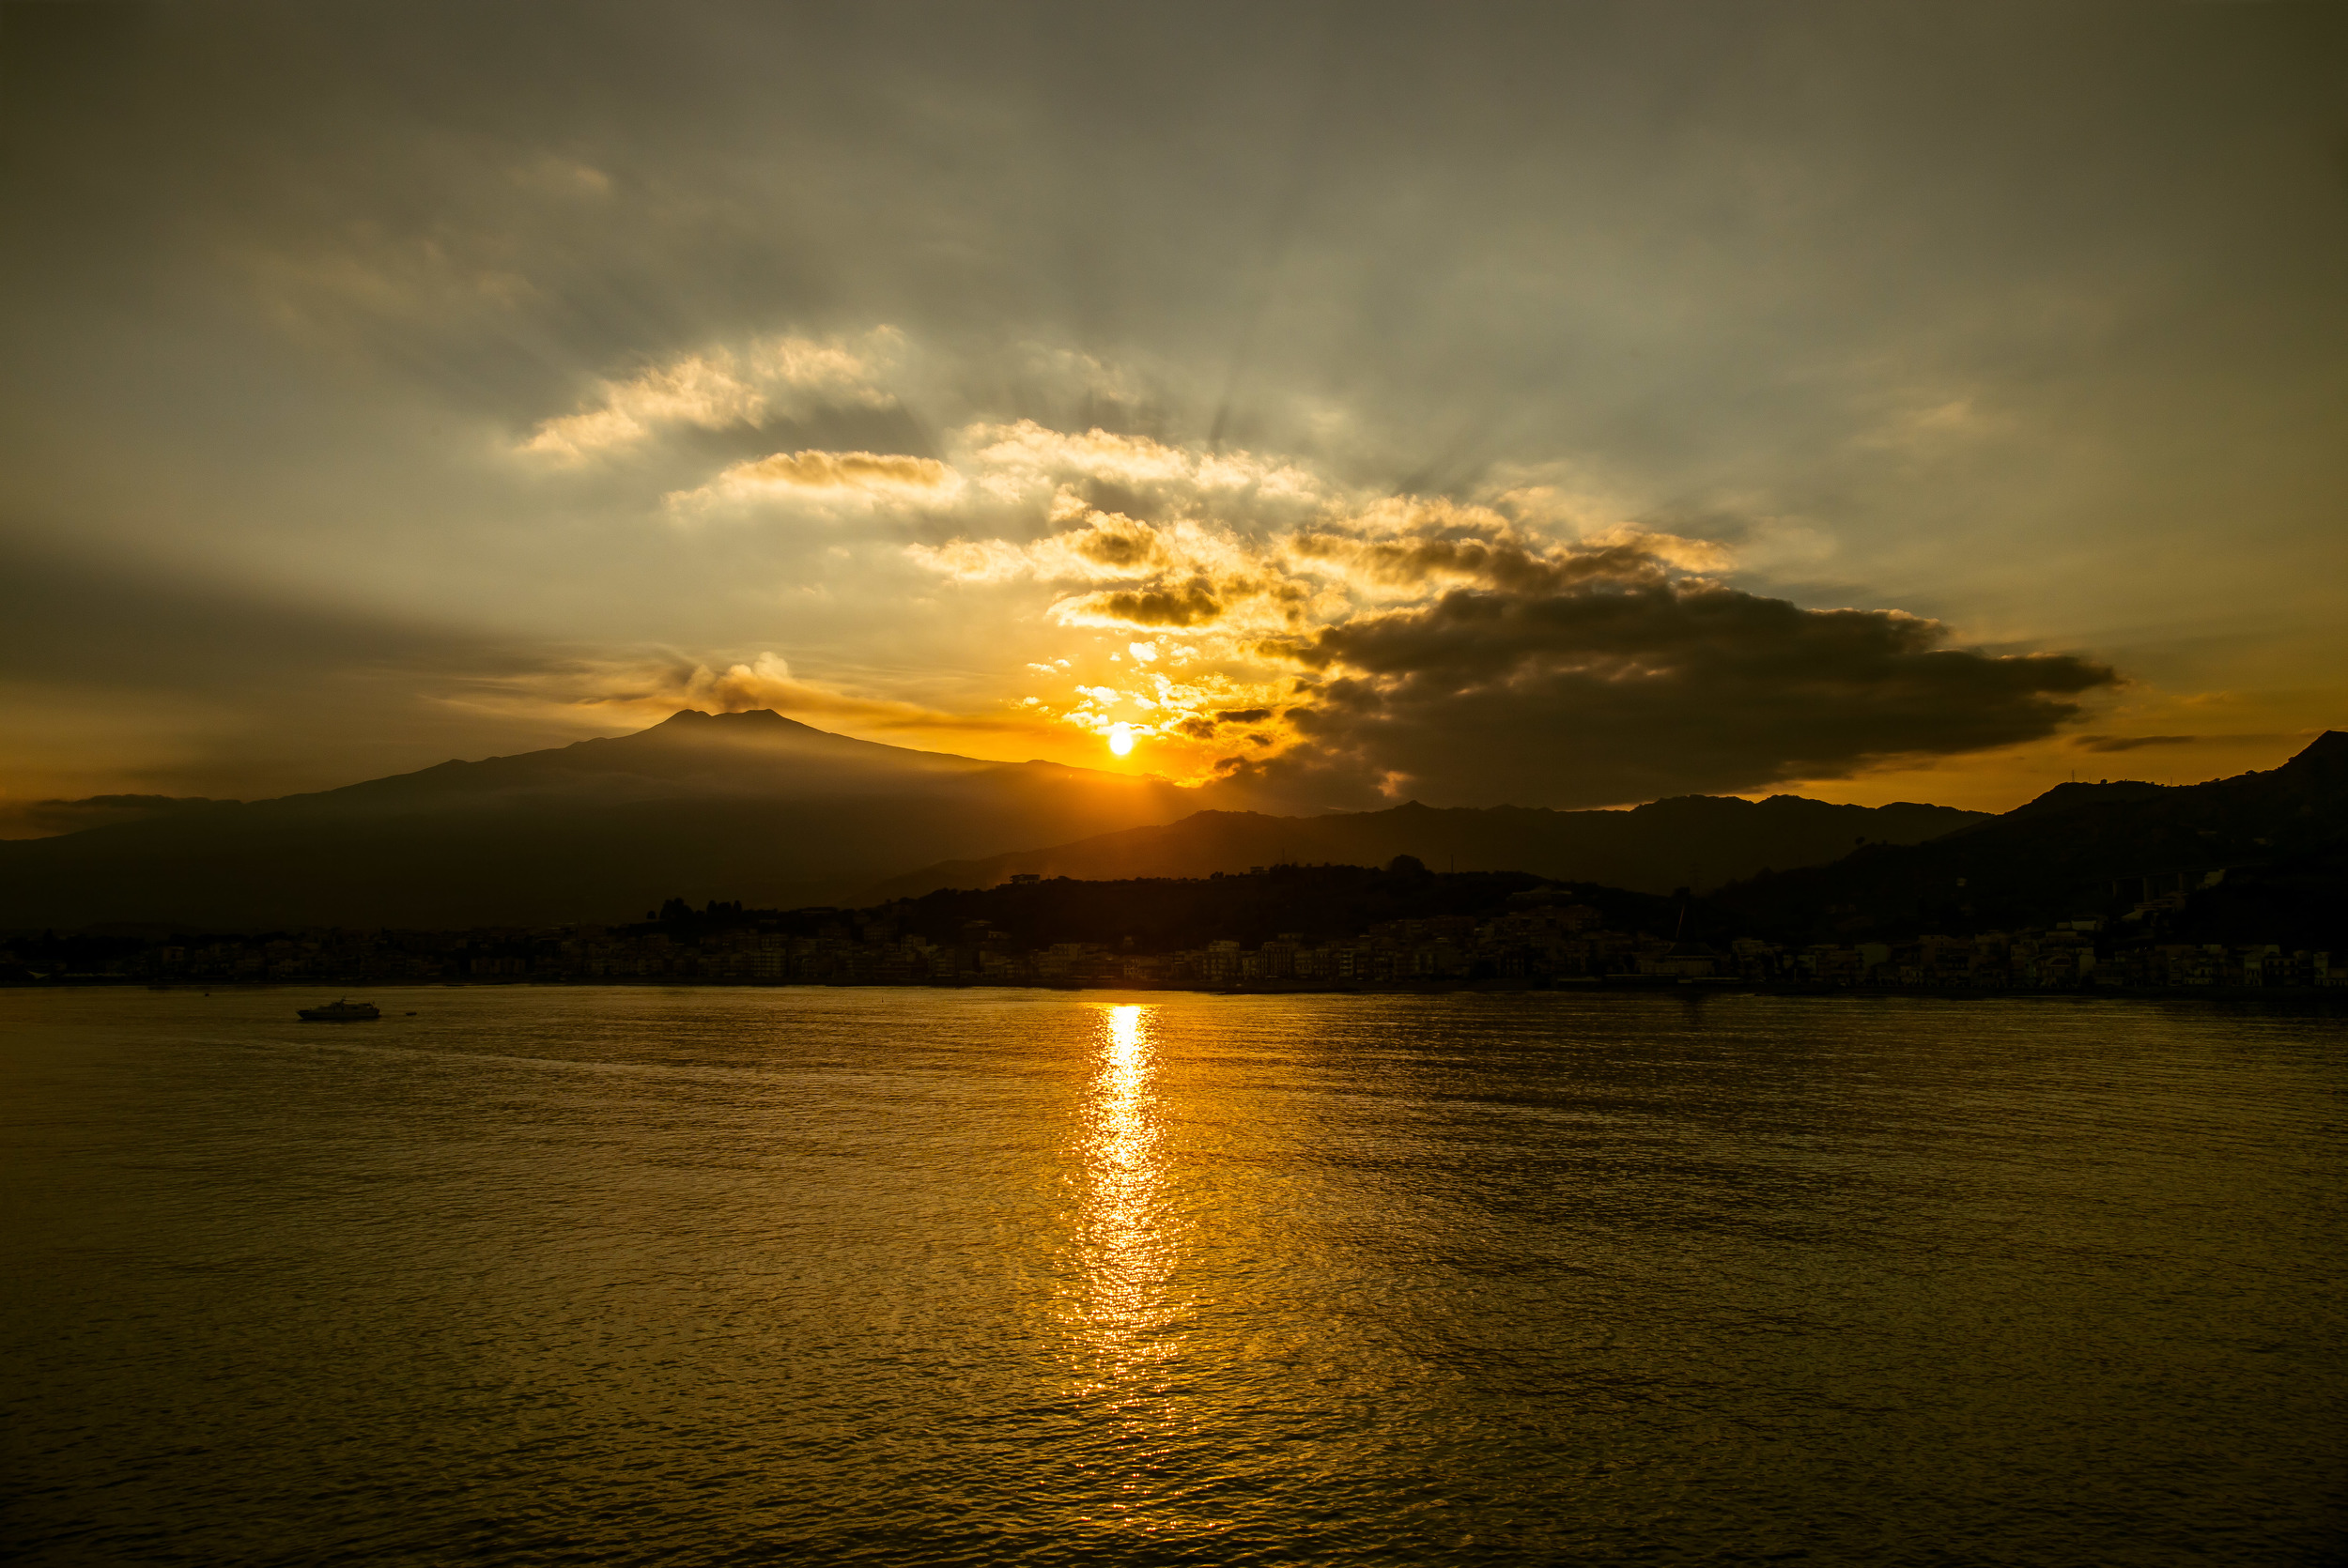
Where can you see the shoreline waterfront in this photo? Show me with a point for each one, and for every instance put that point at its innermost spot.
(2327, 997)
(1289, 929)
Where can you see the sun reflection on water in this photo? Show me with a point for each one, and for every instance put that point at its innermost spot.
(1125, 1251)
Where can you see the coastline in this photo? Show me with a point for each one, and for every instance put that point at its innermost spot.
(1625, 985)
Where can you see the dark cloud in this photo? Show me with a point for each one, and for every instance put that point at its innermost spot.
(1513, 565)
(1118, 542)
(1635, 689)
(1191, 604)
(1206, 727)
(2130, 743)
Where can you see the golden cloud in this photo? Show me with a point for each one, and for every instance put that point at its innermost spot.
(849, 470)
(863, 477)
(721, 387)
(972, 561)
(1073, 471)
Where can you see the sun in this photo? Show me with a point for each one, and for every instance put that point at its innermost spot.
(1120, 738)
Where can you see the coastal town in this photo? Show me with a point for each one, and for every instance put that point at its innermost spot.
(1540, 938)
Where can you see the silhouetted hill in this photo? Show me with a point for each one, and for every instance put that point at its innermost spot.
(2262, 855)
(750, 805)
(1691, 842)
(45, 817)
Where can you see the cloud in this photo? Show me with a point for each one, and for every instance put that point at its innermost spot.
(1196, 571)
(1170, 608)
(410, 278)
(972, 561)
(562, 177)
(1628, 685)
(1489, 554)
(846, 470)
(1184, 576)
(766, 682)
(722, 387)
(2130, 743)
(1105, 546)
(646, 689)
(827, 476)
(1027, 451)
(1443, 648)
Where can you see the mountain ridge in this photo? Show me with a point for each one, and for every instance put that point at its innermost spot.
(1696, 841)
(2260, 852)
(762, 807)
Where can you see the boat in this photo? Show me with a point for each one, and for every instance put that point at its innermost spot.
(340, 1011)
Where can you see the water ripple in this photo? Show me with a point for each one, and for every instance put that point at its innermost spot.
(662, 1276)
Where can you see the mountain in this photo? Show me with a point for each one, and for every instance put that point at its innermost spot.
(1691, 842)
(2261, 856)
(748, 806)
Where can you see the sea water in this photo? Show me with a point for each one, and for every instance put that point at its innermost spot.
(680, 1276)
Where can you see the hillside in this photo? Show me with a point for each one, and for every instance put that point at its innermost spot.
(1696, 841)
(747, 805)
(2256, 858)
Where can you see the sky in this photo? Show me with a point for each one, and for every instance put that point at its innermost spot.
(1561, 404)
